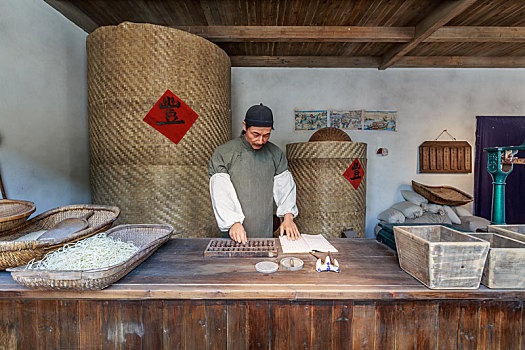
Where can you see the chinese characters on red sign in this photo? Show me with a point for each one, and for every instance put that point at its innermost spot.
(171, 117)
(355, 173)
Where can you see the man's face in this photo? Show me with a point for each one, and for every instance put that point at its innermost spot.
(257, 136)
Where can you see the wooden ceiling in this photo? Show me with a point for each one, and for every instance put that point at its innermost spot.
(332, 33)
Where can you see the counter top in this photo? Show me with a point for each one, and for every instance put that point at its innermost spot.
(178, 270)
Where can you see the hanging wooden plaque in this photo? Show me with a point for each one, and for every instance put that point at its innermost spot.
(445, 157)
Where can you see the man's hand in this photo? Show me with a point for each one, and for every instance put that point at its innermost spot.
(289, 227)
(238, 233)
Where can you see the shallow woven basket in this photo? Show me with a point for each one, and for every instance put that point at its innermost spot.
(327, 201)
(147, 237)
(14, 212)
(133, 166)
(444, 195)
(329, 134)
(14, 254)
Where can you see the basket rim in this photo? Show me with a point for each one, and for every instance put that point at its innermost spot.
(30, 205)
(6, 246)
(82, 274)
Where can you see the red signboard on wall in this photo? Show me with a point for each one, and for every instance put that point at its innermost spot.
(171, 117)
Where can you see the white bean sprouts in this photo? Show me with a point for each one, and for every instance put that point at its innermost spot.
(91, 253)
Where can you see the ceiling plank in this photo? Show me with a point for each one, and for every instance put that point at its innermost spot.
(301, 33)
(441, 16)
(74, 14)
(306, 61)
(478, 34)
(460, 62)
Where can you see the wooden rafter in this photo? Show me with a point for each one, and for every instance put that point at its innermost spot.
(70, 11)
(441, 16)
(461, 62)
(478, 34)
(306, 61)
(374, 61)
(301, 33)
(352, 34)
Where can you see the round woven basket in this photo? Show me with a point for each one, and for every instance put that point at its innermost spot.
(14, 212)
(133, 166)
(327, 201)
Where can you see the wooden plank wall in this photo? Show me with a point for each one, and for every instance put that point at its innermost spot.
(261, 324)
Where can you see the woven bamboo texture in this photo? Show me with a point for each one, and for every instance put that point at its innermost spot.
(133, 166)
(327, 201)
(441, 258)
(18, 253)
(147, 237)
(14, 212)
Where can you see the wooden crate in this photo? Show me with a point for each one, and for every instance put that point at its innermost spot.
(445, 157)
(516, 232)
(505, 265)
(441, 258)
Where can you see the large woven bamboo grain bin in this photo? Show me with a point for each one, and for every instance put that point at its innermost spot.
(326, 200)
(153, 180)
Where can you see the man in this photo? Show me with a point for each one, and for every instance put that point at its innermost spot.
(246, 175)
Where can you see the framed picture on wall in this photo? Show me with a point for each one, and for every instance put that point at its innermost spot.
(347, 120)
(311, 120)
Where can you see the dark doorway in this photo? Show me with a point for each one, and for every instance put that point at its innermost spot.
(492, 132)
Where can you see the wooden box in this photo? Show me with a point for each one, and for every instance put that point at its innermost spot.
(441, 258)
(505, 265)
(445, 157)
(516, 232)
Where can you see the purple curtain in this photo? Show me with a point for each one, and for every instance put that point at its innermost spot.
(492, 132)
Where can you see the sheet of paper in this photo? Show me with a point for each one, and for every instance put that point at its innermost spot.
(306, 244)
(319, 243)
(298, 246)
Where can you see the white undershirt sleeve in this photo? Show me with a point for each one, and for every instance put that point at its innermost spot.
(226, 205)
(284, 194)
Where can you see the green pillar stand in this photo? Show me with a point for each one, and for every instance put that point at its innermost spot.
(500, 164)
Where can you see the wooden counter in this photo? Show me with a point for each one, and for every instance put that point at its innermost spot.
(179, 299)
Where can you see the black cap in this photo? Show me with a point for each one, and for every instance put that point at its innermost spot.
(260, 116)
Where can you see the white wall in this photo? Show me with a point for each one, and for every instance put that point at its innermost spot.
(43, 105)
(427, 101)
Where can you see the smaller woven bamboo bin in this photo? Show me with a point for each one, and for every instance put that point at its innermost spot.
(516, 232)
(505, 266)
(16, 253)
(327, 201)
(441, 258)
(147, 237)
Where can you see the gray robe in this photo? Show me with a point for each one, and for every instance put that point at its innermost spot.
(252, 174)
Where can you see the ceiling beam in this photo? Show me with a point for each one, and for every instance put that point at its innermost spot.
(301, 33)
(374, 61)
(352, 34)
(478, 34)
(306, 61)
(460, 62)
(441, 16)
(74, 14)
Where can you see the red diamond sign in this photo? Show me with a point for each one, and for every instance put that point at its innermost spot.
(171, 117)
(355, 173)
